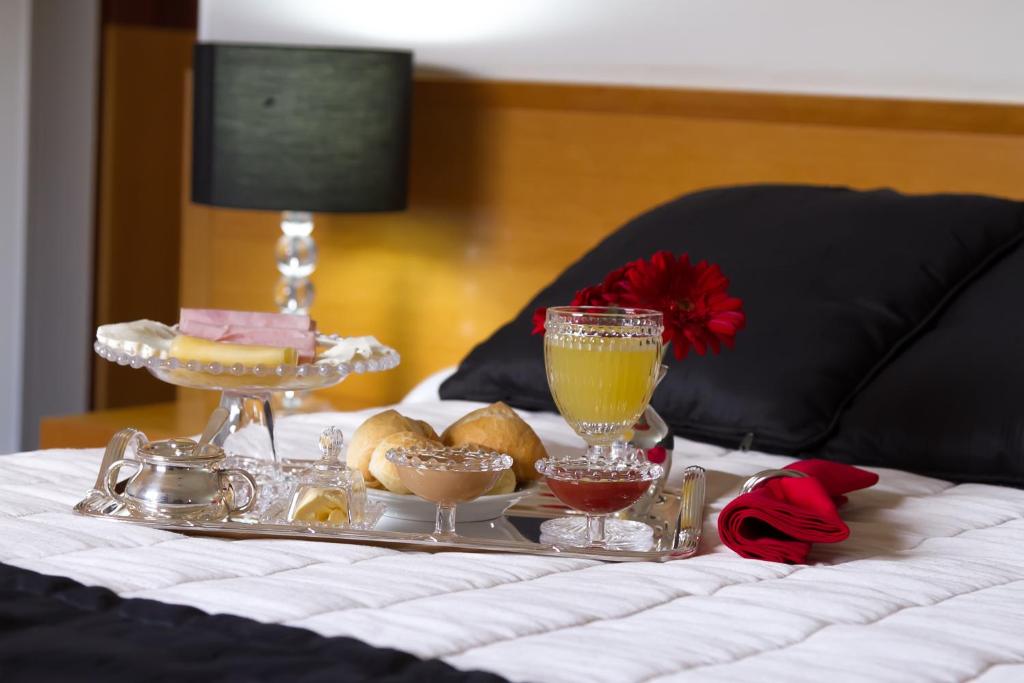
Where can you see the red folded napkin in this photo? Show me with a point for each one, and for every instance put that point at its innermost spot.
(780, 519)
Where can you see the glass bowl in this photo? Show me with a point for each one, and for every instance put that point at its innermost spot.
(448, 476)
(598, 487)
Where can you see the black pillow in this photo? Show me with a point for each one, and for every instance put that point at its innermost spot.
(834, 283)
(951, 405)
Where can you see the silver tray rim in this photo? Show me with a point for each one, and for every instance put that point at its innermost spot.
(685, 523)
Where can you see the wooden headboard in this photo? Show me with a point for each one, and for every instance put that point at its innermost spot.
(511, 182)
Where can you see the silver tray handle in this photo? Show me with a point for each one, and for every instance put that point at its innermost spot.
(691, 508)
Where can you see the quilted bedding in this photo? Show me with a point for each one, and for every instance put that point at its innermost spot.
(929, 587)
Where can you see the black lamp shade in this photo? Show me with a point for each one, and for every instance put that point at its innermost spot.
(300, 129)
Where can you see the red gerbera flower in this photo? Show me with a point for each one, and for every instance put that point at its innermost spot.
(693, 300)
(539, 316)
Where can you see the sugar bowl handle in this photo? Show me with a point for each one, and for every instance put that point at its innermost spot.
(226, 476)
(113, 460)
(111, 477)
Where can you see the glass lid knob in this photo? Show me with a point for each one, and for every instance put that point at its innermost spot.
(331, 441)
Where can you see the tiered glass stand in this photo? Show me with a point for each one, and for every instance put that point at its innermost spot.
(246, 391)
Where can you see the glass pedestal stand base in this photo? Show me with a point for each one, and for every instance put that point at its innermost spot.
(620, 534)
(299, 403)
(249, 429)
(251, 416)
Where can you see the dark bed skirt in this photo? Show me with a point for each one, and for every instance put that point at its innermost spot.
(55, 629)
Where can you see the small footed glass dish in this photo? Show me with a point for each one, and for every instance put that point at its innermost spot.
(448, 476)
(598, 487)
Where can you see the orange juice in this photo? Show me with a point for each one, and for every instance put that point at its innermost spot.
(601, 384)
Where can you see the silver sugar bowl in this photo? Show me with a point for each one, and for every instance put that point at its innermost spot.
(179, 479)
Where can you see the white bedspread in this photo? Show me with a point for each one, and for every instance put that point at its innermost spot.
(930, 586)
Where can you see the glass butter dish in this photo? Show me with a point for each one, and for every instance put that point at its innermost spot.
(328, 493)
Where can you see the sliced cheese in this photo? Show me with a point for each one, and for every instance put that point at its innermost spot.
(302, 341)
(188, 348)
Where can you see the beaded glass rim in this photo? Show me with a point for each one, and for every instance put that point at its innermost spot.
(604, 312)
(449, 459)
(378, 361)
(603, 321)
(578, 468)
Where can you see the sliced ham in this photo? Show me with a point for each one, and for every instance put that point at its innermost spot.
(278, 321)
(302, 341)
(261, 329)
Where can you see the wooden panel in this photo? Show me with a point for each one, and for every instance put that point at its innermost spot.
(165, 13)
(721, 104)
(93, 430)
(512, 182)
(139, 205)
(155, 420)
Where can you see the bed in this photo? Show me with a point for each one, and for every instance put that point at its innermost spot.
(928, 587)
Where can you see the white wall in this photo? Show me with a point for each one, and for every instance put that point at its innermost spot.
(14, 66)
(928, 49)
(57, 352)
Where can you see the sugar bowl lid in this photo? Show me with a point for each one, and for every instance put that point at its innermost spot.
(179, 452)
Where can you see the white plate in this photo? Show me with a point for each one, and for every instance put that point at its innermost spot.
(416, 509)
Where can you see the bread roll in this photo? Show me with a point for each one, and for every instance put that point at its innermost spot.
(506, 484)
(427, 430)
(385, 471)
(500, 428)
(371, 433)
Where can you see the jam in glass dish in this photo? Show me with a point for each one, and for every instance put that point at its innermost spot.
(597, 487)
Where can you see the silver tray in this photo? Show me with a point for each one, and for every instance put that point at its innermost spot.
(675, 516)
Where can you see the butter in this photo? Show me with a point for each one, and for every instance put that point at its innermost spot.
(320, 505)
(188, 348)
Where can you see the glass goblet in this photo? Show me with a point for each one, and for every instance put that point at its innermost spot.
(602, 366)
(448, 476)
(597, 488)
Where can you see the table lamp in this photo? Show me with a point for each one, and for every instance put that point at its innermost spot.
(300, 130)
